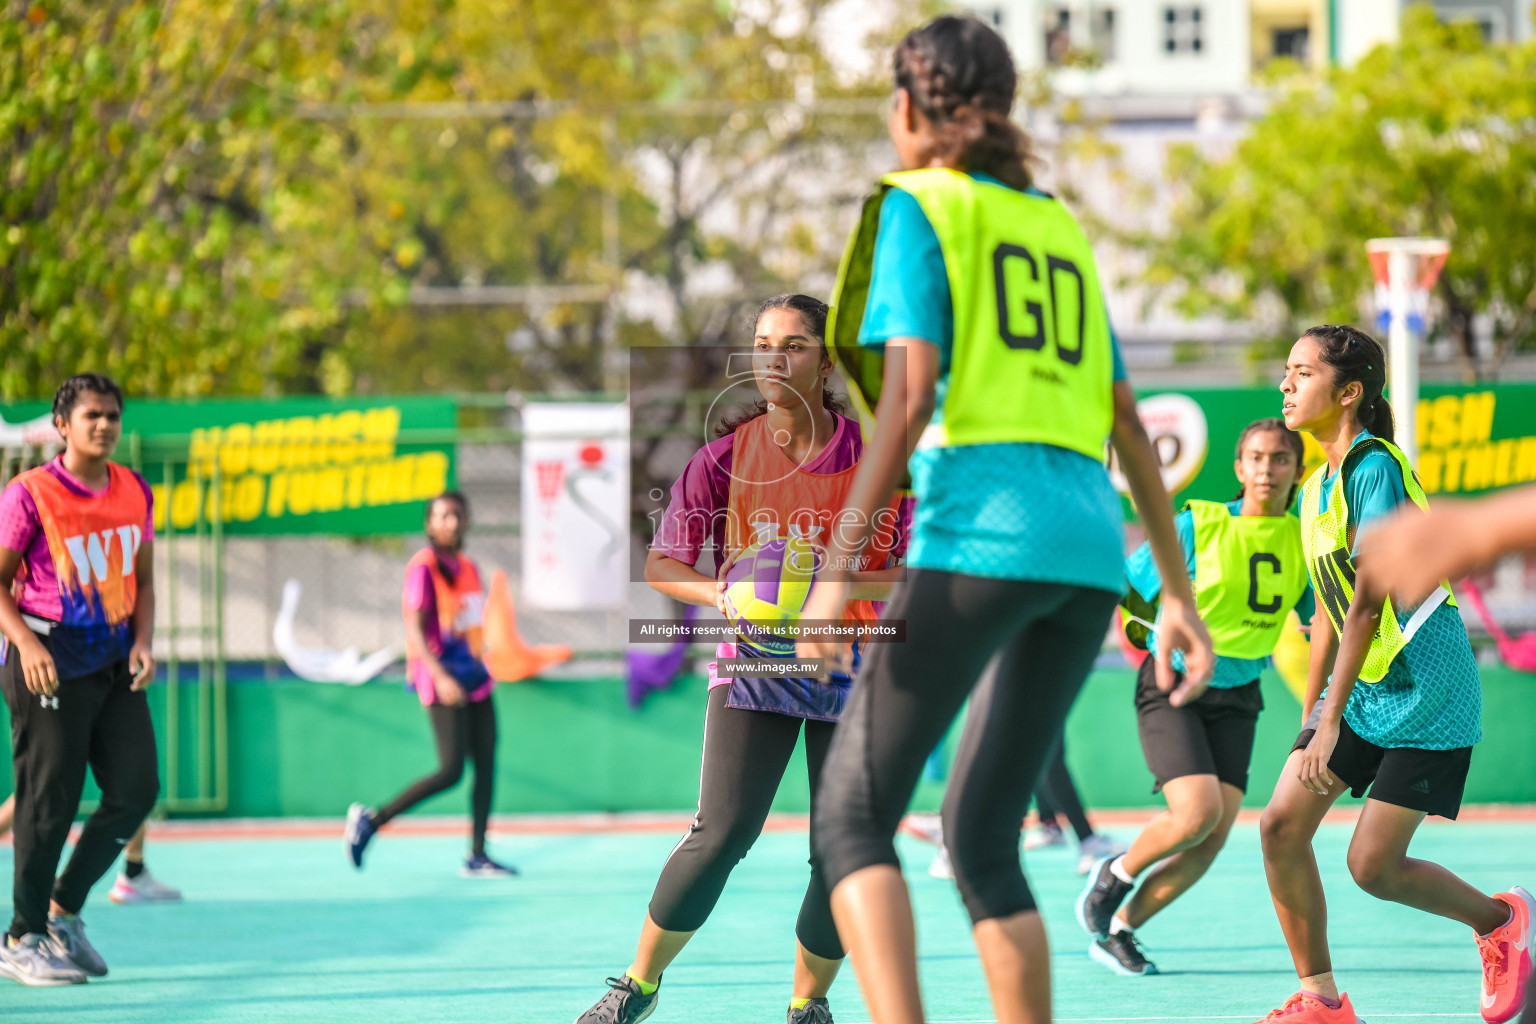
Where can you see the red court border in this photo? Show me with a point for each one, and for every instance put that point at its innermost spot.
(256, 829)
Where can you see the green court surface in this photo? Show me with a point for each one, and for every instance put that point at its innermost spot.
(283, 930)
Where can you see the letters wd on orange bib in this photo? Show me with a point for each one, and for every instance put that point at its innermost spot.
(76, 584)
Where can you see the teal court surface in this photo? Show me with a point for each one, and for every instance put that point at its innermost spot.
(277, 927)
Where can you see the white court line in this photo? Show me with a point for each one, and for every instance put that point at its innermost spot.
(1125, 1020)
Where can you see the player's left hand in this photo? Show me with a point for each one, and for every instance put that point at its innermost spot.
(141, 662)
(826, 603)
(1313, 766)
(725, 566)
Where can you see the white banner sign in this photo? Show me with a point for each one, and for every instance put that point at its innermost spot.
(575, 505)
(1180, 436)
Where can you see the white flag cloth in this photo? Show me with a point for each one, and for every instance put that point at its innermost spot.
(323, 664)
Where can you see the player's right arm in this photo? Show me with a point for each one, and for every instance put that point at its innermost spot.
(1179, 627)
(1412, 553)
(36, 663)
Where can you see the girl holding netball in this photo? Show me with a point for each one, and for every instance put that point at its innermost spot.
(1001, 372)
(1246, 561)
(1396, 719)
(783, 468)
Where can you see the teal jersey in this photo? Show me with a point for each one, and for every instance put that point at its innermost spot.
(1431, 697)
(1141, 571)
(1007, 511)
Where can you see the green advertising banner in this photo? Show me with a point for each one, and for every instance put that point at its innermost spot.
(290, 465)
(1471, 438)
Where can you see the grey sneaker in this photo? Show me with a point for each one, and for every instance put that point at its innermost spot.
(814, 1012)
(33, 959)
(622, 1005)
(1100, 898)
(1122, 953)
(68, 934)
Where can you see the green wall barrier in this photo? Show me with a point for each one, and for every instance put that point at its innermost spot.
(302, 749)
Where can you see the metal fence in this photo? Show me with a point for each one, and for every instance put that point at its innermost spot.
(218, 596)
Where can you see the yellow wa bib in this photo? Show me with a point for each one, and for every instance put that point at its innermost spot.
(1325, 538)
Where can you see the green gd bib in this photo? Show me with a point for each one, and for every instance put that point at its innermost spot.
(1031, 359)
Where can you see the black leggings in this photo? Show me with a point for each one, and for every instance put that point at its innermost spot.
(467, 730)
(1057, 794)
(745, 754)
(95, 721)
(1047, 636)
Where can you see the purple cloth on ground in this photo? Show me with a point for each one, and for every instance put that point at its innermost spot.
(647, 671)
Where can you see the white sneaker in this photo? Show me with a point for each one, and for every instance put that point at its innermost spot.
(34, 959)
(941, 867)
(144, 889)
(924, 825)
(1047, 834)
(1097, 846)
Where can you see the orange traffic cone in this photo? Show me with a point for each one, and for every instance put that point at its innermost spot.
(508, 657)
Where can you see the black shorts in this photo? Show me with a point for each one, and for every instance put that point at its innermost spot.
(1431, 781)
(1212, 736)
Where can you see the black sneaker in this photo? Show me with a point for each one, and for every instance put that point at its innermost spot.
(814, 1012)
(1101, 898)
(1121, 953)
(622, 1005)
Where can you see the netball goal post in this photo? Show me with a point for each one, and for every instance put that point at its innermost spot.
(1406, 270)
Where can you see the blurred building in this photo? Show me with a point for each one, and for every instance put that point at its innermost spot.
(1201, 48)
(1151, 74)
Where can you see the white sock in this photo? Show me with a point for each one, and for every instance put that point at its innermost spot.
(1117, 868)
(1117, 925)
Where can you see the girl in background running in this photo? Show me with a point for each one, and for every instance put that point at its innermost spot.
(444, 604)
(1245, 558)
(1398, 716)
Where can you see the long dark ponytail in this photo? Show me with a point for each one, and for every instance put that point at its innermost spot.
(961, 77)
(813, 313)
(1356, 356)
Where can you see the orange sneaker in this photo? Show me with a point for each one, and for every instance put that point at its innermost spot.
(1506, 954)
(1306, 1008)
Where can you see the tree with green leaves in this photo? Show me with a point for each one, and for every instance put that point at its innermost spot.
(1434, 135)
(158, 221)
(225, 196)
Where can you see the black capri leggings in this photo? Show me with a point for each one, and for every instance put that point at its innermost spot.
(745, 754)
(464, 731)
(1045, 637)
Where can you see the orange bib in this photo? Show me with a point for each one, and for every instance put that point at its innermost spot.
(770, 496)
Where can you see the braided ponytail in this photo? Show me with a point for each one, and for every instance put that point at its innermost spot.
(1356, 356)
(961, 78)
